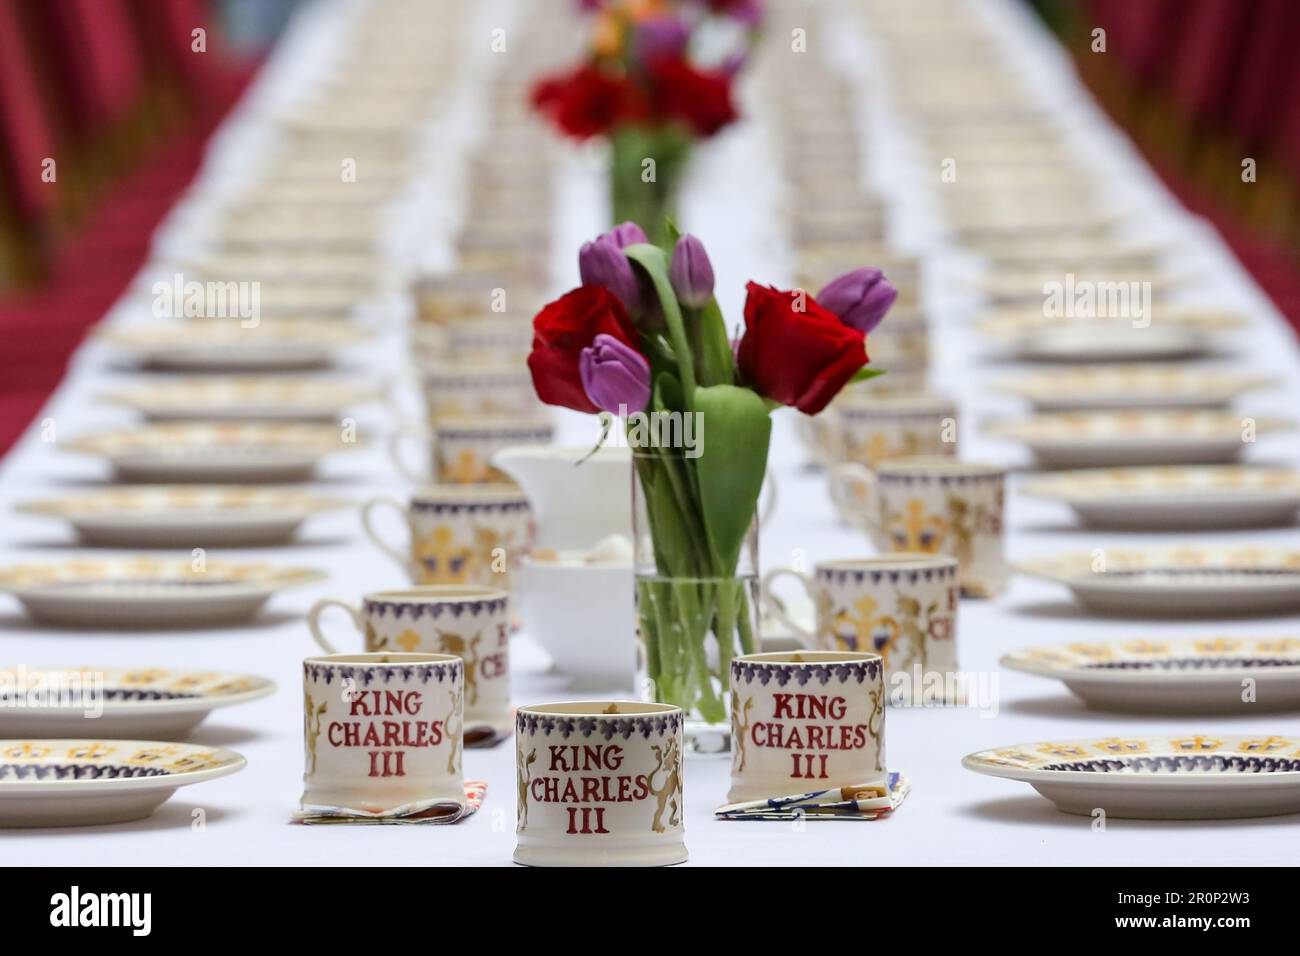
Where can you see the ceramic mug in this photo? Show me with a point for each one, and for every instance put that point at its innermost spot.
(458, 389)
(382, 731)
(600, 783)
(803, 721)
(457, 534)
(460, 450)
(936, 505)
(876, 428)
(900, 606)
(472, 623)
(497, 339)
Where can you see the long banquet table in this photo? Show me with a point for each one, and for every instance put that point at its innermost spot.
(952, 815)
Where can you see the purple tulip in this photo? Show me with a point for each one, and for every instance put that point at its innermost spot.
(748, 12)
(860, 298)
(615, 376)
(601, 262)
(691, 273)
(660, 37)
(627, 234)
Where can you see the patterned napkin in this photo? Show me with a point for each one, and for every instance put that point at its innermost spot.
(867, 802)
(438, 811)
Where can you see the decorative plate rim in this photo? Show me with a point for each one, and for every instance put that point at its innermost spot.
(282, 577)
(978, 761)
(1014, 428)
(164, 706)
(1041, 486)
(1033, 566)
(62, 506)
(1016, 660)
(231, 762)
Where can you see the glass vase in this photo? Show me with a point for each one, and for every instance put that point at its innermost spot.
(645, 171)
(693, 616)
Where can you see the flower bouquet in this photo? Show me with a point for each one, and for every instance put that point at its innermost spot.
(643, 339)
(657, 77)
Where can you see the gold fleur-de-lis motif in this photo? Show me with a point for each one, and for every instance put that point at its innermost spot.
(136, 678)
(465, 469)
(1115, 745)
(1218, 645)
(28, 750)
(408, 640)
(1092, 651)
(152, 755)
(91, 751)
(915, 529)
(443, 559)
(1063, 750)
(1198, 743)
(1267, 745)
(1283, 645)
(1146, 647)
(861, 628)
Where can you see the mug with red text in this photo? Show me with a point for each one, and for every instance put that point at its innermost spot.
(803, 721)
(470, 622)
(382, 731)
(600, 784)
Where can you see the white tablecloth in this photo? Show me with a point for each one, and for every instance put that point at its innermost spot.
(952, 817)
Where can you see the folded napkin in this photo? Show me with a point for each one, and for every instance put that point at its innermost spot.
(435, 811)
(865, 802)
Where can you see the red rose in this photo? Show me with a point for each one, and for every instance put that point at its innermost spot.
(799, 358)
(587, 102)
(699, 98)
(562, 330)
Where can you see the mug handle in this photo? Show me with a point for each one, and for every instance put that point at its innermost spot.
(396, 441)
(806, 637)
(368, 525)
(319, 608)
(848, 475)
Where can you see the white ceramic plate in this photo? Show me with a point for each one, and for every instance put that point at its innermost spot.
(215, 451)
(1202, 675)
(113, 702)
(1078, 387)
(62, 783)
(1109, 342)
(146, 590)
(1175, 497)
(1177, 581)
(265, 398)
(1142, 437)
(1010, 324)
(224, 345)
(184, 516)
(1184, 777)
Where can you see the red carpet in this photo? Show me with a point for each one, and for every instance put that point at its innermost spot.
(42, 327)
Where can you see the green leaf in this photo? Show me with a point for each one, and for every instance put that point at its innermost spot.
(730, 470)
(655, 262)
(715, 363)
(864, 374)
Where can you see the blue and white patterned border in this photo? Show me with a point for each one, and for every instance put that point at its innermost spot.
(437, 607)
(802, 672)
(606, 727)
(367, 674)
(946, 572)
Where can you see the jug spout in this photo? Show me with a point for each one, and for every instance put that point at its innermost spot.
(575, 502)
